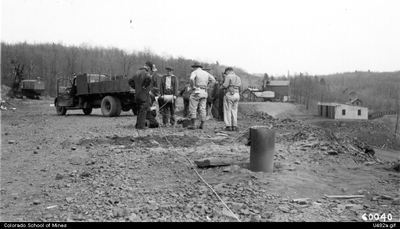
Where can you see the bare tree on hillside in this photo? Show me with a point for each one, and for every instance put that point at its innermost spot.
(19, 76)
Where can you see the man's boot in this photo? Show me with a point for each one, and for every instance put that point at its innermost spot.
(191, 125)
(201, 125)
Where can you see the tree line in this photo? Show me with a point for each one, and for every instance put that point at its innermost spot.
(50, 61)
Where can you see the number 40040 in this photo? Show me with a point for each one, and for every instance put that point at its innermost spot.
(377, 217)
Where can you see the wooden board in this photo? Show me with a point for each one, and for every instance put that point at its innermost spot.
(212, 162)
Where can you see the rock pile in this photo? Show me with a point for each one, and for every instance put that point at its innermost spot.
(309, 137)
(7, 103)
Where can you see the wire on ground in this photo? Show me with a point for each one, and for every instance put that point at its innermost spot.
(201, 178)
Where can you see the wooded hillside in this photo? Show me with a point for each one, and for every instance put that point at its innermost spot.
(378, 91)
(52, 61)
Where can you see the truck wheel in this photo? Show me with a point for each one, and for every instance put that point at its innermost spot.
(119, 106)
(87, 111)
(61, 110)
(109, 106)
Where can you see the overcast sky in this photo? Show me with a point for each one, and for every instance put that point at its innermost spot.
(318, 37)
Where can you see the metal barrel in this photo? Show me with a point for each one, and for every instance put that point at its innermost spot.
(262, 148)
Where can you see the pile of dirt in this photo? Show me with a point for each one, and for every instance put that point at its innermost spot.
(314, 137)
(389, 121)
(376, 134)
(6, 102)
(257, 116)
(274, 109)
(5, 90)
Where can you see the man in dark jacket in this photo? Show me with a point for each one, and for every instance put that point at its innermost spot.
(210, 91)
(157, 81)
(152, 114)
(142, 81)
(185, 93)
(216, 95)
(168, 94)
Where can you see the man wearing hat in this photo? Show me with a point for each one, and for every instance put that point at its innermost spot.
(142, 81)
(232, 84)
(168, 93)
(199, 79)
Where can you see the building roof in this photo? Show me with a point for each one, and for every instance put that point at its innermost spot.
(279, 83)
(30, 80)
(330, 104)
(264, 94)
(337, 104)
(253, 89)
(258, 94)
(354, 100)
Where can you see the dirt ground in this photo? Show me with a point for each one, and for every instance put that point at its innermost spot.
(96, 169)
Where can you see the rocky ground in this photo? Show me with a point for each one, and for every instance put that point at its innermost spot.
(96, 169)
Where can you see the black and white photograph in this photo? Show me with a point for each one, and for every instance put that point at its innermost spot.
(218, 111)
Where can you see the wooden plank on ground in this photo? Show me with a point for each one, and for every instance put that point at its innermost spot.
(212, 162)
(345, 197)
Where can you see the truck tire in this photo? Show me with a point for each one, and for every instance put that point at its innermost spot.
(61, 110)
(87, 111)
(109, 106)
(119, 107)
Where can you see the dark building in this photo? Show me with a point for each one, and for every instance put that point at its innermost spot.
(280, 87)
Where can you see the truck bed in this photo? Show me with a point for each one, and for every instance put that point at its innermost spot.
(107, 86)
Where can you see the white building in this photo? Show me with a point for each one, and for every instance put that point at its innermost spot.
(342, 111)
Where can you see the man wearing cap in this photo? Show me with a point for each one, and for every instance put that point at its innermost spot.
(232, 84)
(142, 81)
(168, 93)
(199, 79)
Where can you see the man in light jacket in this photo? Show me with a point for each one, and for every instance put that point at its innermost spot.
(199, 79)
(232, 84)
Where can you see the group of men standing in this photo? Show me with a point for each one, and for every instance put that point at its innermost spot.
(202, 91)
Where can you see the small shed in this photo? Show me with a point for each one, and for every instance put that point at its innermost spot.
(342, 111)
